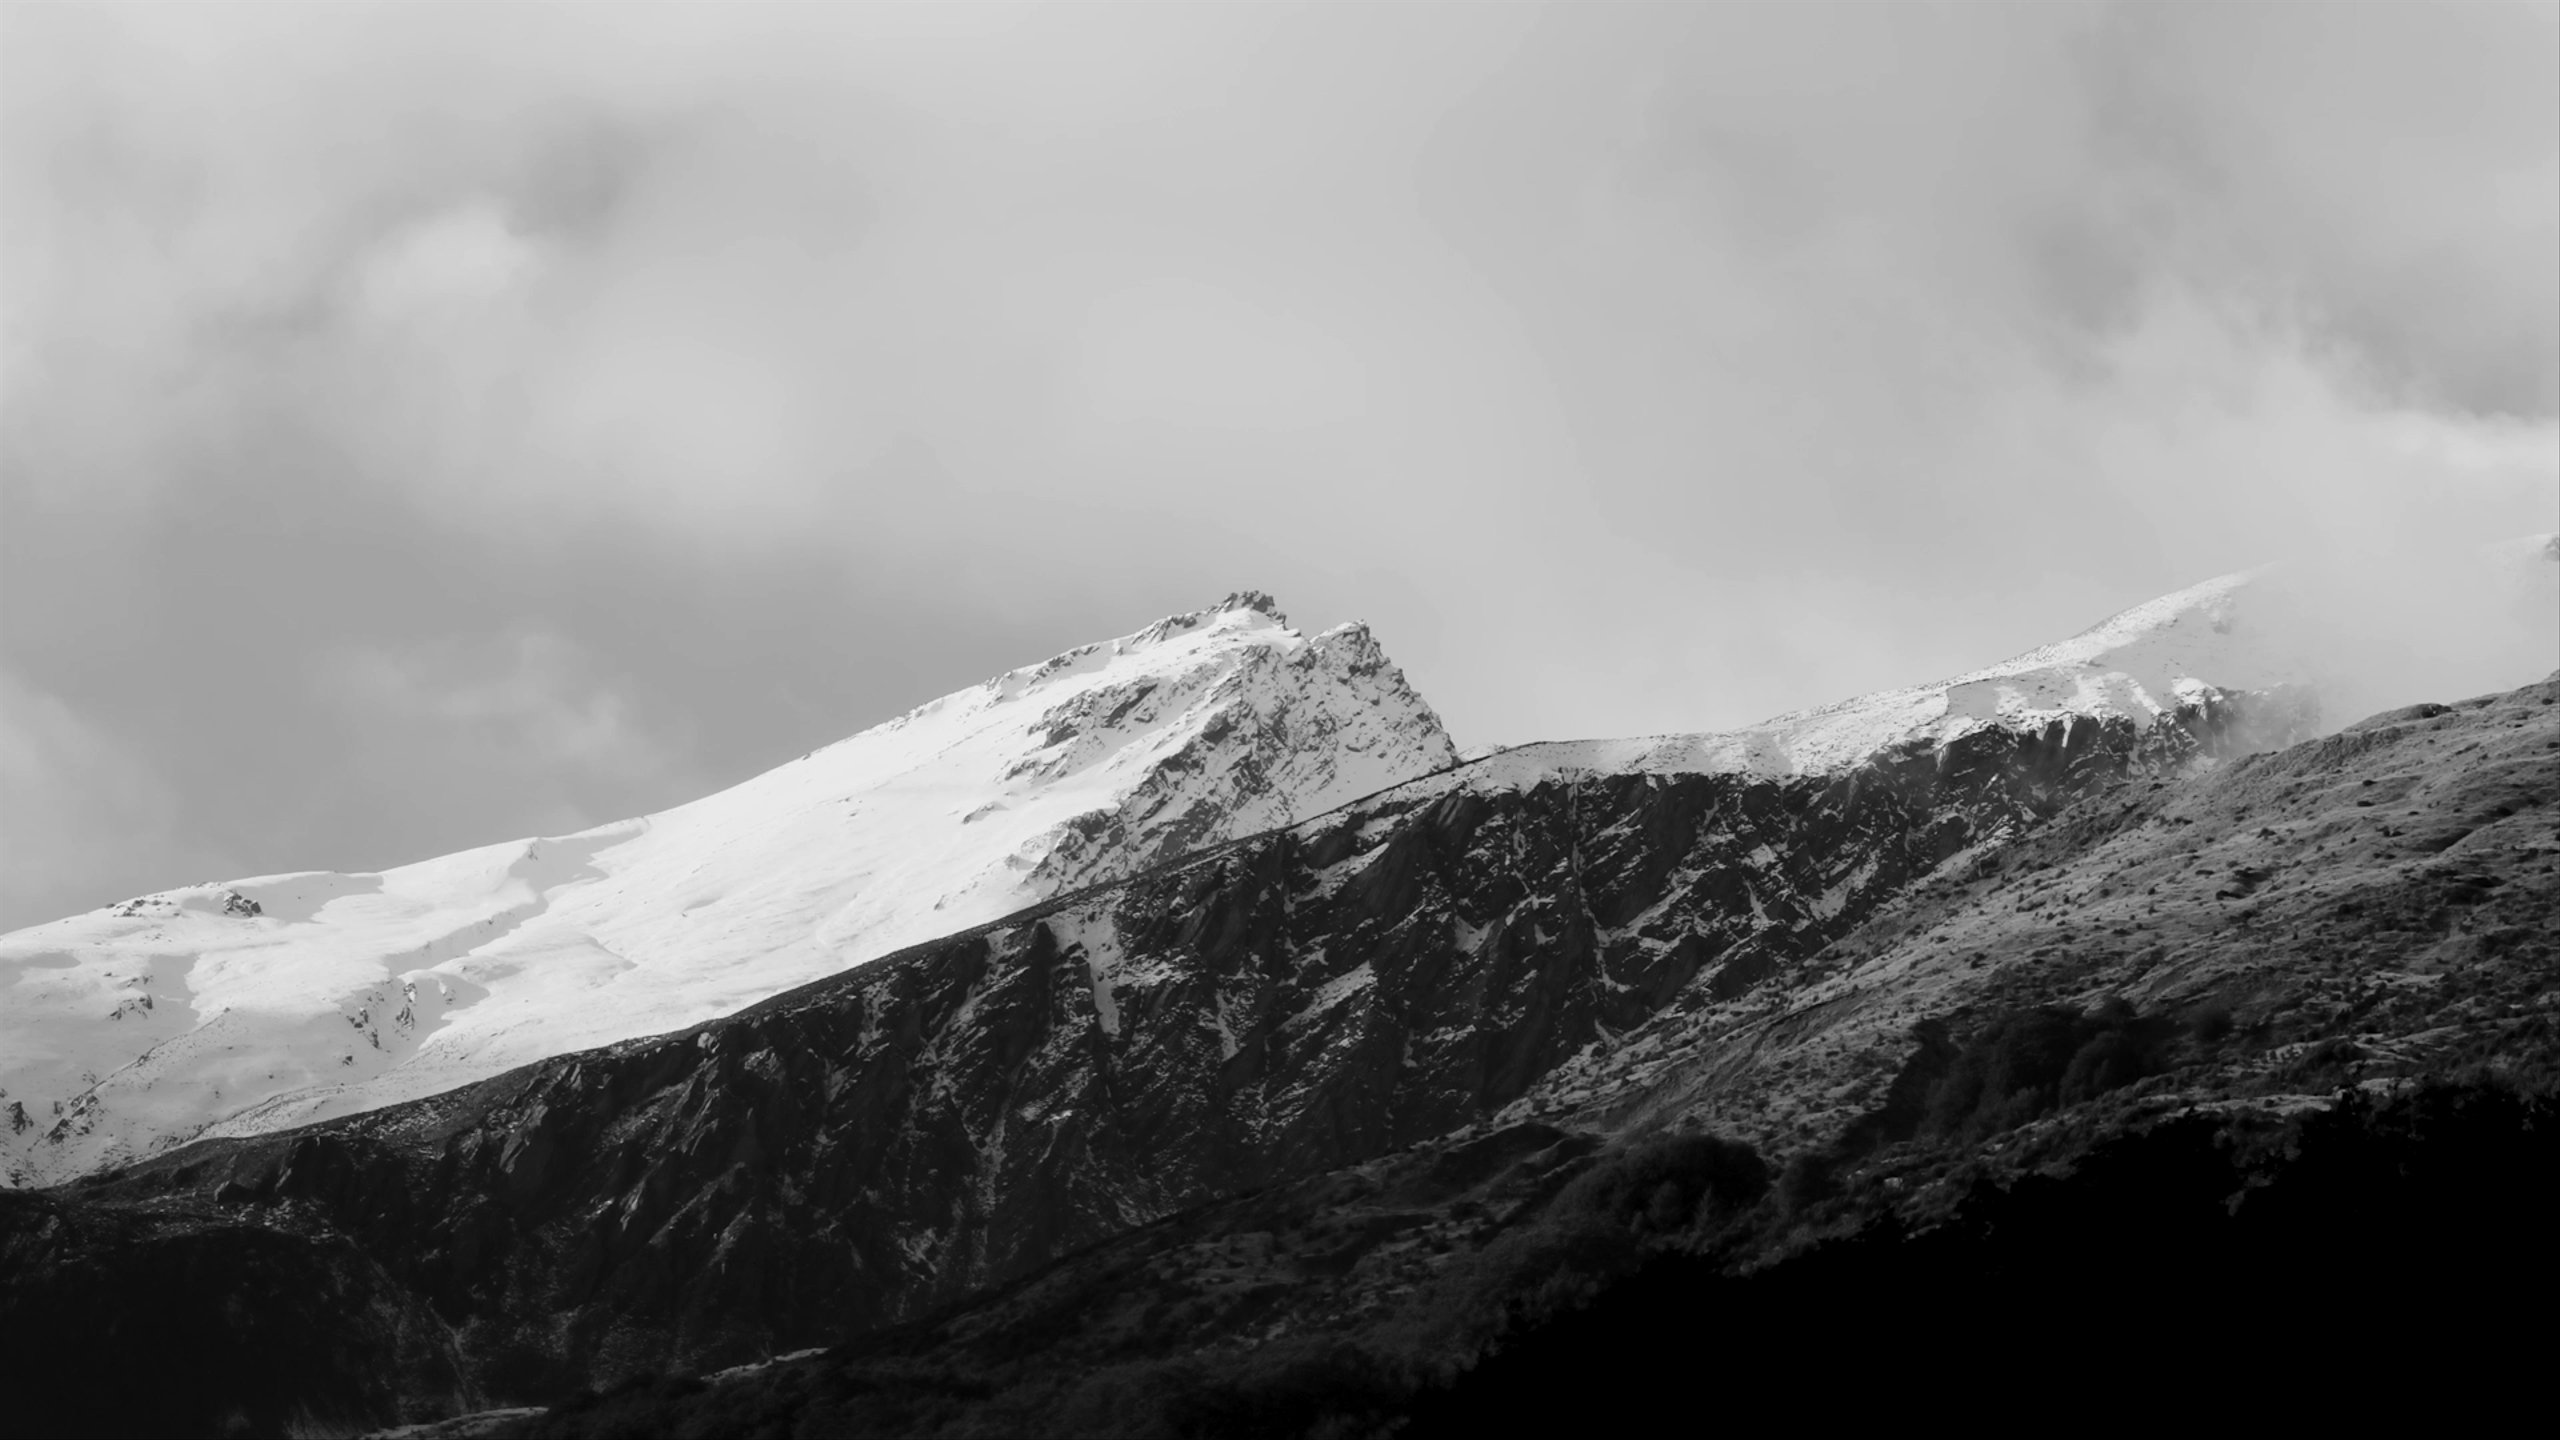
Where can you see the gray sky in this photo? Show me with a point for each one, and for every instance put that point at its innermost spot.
(425, 426)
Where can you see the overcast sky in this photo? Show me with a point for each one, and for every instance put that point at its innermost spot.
(427, 426)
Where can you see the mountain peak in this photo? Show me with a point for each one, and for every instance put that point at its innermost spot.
(1251, 609)
(1254, 600)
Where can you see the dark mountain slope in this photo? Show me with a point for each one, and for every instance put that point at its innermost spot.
(119, 1321)
(865, 1148)
(2379, 902)
(2364, 1261)
(2356, 1257)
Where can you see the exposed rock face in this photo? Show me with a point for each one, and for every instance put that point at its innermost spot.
(894, 1137)
(248, 1007)
(1282, 732)
(2380, 902)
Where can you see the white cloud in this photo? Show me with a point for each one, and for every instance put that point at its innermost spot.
(1680, 364)
(459, 259)
(84, 819)
(1181, 353)
(528, 706)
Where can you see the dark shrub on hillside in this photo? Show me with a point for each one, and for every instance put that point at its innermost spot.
(1662, 1189)
(1809, 1179)
(2331, 1060)
(1551, 1265)
(1669, 1185)
(2353, 1265)
(1308, 1386)
(2340, 1264)
(2024, 1063)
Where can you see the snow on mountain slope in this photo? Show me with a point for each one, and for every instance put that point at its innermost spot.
(2138, 664)
(242, 1007)
(2178, 650)
(2319, 647)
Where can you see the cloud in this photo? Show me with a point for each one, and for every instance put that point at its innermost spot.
(2383, 172)
(707, 272)
(1652, 367)
(2421, 622)
(527, 715)
(2379, 178)
(442, 265)
(1186, 354)
(84, 819)
(1893, 337)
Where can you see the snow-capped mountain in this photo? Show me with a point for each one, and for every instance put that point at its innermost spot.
(1422, 959)
(236, 1008)
(251, 1005)
(1598, 934)
(2178, 653)
(2328, 646)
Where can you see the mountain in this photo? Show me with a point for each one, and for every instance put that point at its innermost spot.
(2175, 655)
(241, 1007)
(1282, 1004)
(1251, 1103)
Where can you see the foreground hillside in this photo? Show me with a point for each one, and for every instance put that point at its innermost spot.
(2355, 1260)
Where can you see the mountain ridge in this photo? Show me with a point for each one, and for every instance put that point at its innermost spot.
(894, 1136)
(2177, 654)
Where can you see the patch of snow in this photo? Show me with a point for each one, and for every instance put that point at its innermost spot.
(1836, 897)
(1227, 1046)
(737, 1372)
(1092, 933)
(1333, 992)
